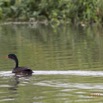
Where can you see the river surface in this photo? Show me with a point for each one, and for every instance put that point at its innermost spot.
(67, 62)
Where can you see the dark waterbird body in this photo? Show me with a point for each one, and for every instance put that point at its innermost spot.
(19, 70)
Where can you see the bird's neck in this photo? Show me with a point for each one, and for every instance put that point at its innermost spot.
(16, 61)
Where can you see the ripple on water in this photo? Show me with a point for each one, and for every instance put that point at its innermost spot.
(69, 72)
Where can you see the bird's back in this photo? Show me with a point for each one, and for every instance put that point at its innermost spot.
(22, 70)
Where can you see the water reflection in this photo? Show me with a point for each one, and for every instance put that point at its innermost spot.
(67, 64)
(44, 48)
(14, 81)
(5, 93)
(14, 85)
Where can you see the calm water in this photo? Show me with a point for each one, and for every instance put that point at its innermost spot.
(67, 64)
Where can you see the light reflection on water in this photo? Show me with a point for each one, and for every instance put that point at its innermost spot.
(67, 64)
(69, 72)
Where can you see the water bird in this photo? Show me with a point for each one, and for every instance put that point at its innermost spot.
(19, 70)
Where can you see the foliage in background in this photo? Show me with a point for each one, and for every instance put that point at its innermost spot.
(81, 11)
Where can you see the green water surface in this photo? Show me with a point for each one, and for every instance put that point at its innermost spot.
(45, 48)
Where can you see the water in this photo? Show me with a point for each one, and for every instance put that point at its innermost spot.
(67, 64)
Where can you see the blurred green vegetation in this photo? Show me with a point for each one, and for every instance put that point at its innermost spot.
(69, 11)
